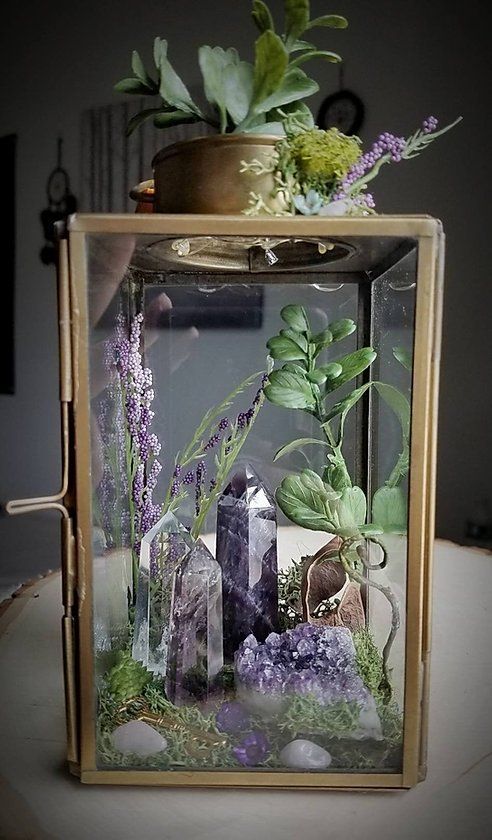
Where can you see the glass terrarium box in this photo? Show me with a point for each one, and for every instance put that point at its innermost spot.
(249, 426)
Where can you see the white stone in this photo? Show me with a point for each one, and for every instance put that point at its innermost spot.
(304, 755)
(369, 722)
(139, 738)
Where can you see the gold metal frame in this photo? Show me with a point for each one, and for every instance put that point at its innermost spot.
(78, 561)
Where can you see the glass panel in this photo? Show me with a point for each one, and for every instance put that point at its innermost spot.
(250, 424)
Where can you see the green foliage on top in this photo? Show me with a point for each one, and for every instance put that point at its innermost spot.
(240, 96)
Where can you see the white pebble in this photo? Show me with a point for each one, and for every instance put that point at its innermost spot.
(305, 755)
(139, 738)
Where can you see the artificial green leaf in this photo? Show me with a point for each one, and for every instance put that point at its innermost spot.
(295, 316)
(294, 445)
(173, 90)
(355, 499)
(271, 61)
(326, 55)
(289, 390)
(351, 509)
(295, 85)
(403, 356)
(238, 90)
(333, 21)
(336, 477)
(352, 365)
(303, 506)
(398, 403)
(301, 45)
(215, 64)
(344, 406)
(370, 530)
(296, 19)
(160, 50)
(317, 376)
(322, 340)
(266, 128)
(284, 349)
(342, 328)
(133, 86)
(389, 510)
(141, 117)
(295, 367)
(296, 337)
(169, 118)
(312, 481)
(141, 73)
(331, 370)
(262, 16)
(293, 115)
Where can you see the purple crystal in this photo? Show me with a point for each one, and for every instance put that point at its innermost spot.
(195, 647)
(247, 555)
(232, 717)
(253, 749)
(318, 661)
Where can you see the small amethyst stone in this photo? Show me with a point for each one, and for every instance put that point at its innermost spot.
(253, 749)
(232, 717)
(247, 555)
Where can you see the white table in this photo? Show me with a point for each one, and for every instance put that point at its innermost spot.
(39, 799)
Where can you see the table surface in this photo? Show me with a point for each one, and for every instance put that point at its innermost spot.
(39, 799)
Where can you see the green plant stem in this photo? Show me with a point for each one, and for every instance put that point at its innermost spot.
(357, 185)
(388, 593)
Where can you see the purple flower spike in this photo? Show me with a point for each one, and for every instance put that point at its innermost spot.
(429, 125)
(232, 717)
(253, 749)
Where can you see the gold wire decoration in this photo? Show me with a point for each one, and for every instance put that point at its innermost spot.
(138, 709)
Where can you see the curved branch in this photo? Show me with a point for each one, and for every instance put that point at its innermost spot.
(385, 590)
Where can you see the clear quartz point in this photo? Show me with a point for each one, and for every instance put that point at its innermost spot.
(162, 550)
(247, 555)
(195, 647)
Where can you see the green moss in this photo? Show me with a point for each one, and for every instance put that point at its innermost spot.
(127, 678)
(317, 159)
(368, 661)
(305, 716)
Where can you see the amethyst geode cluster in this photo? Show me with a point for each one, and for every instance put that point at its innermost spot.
(318, 662)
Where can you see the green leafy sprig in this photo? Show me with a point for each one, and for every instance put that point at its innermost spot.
(196, 450)
(241, 96)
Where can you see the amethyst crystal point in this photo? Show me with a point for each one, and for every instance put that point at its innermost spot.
(162, 549)
(247, 555)
(195, 647)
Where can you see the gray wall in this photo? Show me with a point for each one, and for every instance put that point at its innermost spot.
(405, 59)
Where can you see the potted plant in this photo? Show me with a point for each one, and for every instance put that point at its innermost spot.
(267, 156)
(248, 104)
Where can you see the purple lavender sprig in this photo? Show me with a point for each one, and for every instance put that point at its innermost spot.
(388, 148)
(214, 434)
(142, 446)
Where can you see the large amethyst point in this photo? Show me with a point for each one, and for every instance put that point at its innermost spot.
(247, 555)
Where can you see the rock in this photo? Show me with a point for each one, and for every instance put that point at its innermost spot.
(195, 655)
(305, 755)
(369, 722)
(247, 555)
(139, 738)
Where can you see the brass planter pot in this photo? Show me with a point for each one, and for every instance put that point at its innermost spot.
(203, 175)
